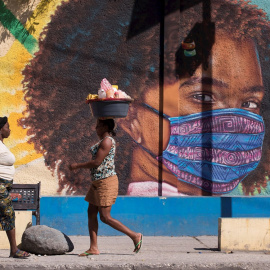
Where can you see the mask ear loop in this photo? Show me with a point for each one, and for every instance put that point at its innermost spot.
(144, 148)
(156, 111)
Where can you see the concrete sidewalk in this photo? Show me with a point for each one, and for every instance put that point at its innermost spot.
(156, 253)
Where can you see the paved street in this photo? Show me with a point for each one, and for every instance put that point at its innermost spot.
(156, 253)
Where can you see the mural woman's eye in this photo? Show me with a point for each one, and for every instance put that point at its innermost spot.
(250, 105)
(203, 97)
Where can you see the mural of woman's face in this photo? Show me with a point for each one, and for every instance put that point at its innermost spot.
(232, 80)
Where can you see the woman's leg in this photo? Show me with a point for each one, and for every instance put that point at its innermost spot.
(14, 251)
(12, 241)
(105, 216)
(93, 229)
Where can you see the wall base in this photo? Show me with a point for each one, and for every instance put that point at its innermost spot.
(153, 216)
(244, 234)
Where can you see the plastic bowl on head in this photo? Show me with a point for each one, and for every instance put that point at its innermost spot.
(114, 108)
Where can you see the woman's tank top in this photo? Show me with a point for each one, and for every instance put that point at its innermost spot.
(107, 167)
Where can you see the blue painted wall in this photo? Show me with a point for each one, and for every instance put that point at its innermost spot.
(155, 216)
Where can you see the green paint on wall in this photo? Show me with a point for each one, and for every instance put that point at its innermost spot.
(15, 27)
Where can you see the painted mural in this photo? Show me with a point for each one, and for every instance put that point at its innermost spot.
(197, 70)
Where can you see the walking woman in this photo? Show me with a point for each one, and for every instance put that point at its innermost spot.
(7, 170)
(104, 188)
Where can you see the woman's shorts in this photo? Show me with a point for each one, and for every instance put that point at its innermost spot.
(7, 215)
(103, 192)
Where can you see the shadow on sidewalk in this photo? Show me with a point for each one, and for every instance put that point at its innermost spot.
(208, 249)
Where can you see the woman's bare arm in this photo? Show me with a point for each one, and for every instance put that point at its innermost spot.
(103, 151)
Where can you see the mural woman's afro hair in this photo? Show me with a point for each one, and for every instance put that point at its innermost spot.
(86, 41)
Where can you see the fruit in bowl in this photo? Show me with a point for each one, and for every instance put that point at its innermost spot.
(110, 102)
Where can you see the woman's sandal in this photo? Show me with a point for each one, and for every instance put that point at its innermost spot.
(138, 246)
(85, 254)
(20, 254)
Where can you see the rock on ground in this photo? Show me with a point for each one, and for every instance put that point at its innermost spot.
(43, 240)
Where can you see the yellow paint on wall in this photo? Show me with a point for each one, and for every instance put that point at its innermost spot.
(12, 102)
(41, 15)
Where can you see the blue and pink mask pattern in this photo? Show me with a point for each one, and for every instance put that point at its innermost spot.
(214, 150)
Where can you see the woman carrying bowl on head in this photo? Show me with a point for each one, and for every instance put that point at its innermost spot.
(104, 188)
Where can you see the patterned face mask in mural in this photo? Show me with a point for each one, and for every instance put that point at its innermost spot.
(214, 150)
